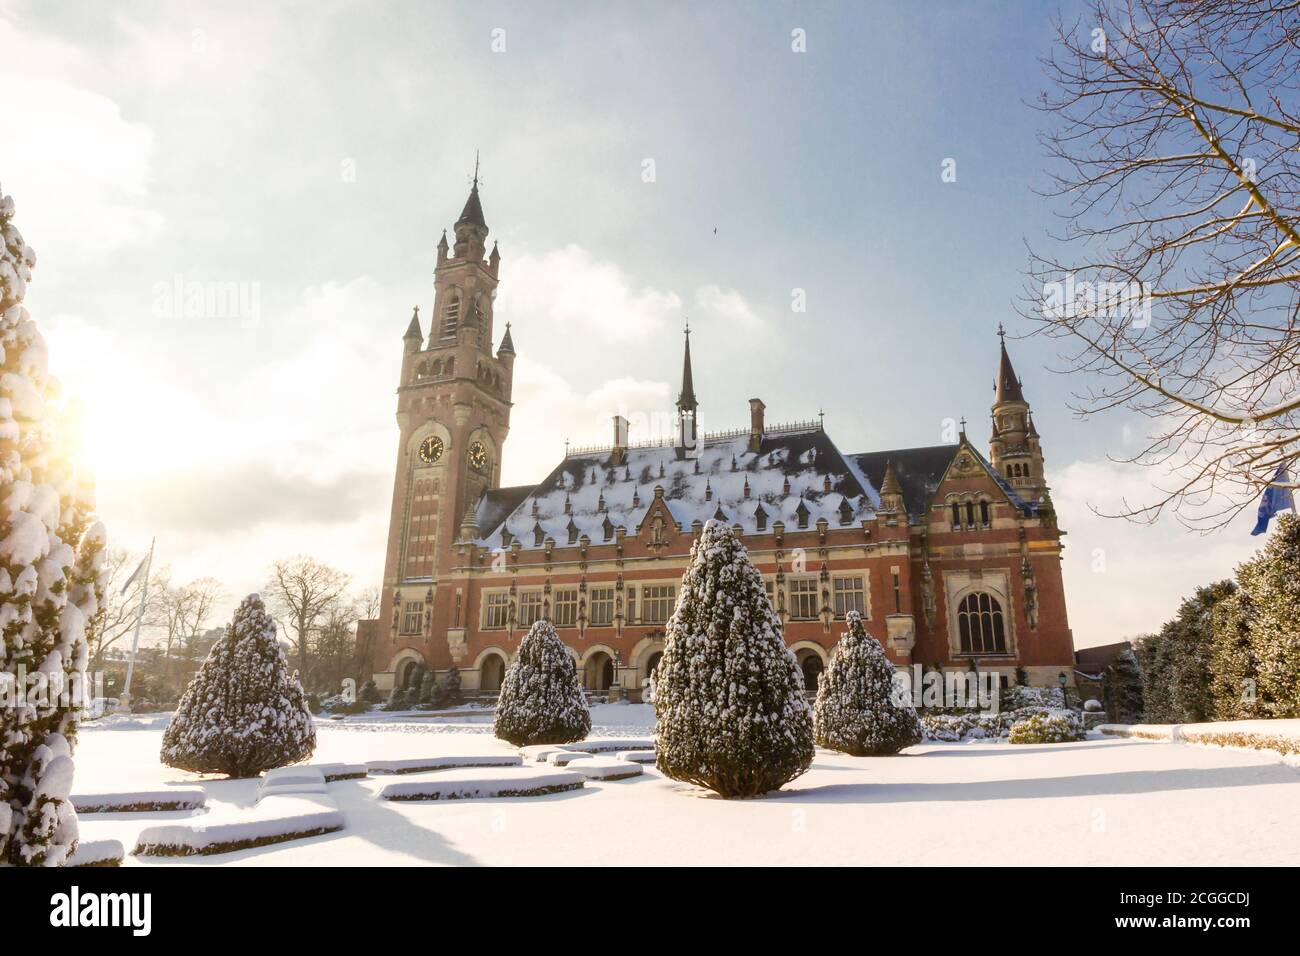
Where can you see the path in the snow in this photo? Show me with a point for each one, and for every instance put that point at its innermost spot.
(1098, 802)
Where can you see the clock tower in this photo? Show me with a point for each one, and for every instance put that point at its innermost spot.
(453, 414)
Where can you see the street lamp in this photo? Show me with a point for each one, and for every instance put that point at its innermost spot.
(1062, 678)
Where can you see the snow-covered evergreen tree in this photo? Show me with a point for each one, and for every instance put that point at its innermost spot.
(857, 709)
(242, 713)
(1122, 688)
(1272, 579)
(541, 701)
(729, 698)
(1234, 677)
(51, 581)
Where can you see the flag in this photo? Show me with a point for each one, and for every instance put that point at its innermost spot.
(1275, 499)
(136, 573)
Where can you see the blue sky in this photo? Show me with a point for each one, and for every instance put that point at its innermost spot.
(314, 152)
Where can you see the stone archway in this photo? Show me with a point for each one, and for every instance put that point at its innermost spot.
(598, 671)
(812, 662)
(491, 672)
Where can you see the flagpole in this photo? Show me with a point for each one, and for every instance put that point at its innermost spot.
(125, 703)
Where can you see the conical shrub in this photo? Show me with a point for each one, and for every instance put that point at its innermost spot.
(728, 694)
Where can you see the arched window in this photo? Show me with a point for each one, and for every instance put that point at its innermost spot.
(451, 315)
(980, 624)
(956, 516)
(984, 513)
(970, 514)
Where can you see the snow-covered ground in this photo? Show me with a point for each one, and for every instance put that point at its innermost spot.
(1098, 802)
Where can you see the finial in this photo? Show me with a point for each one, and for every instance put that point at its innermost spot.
(476, 169)
(1002, 334)
(688, 327)
(821, 419)
(963, 424)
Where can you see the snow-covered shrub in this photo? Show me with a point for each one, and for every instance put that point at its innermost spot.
(1272, 579)
(541, 701)
(729, 696)
(1052, 727)
(857, 711)
(1092, 705)
(1122, 688)
(242, 713)
(369, 693)
(451, 685)
(51, 582)
(397, 699)
(341, 704)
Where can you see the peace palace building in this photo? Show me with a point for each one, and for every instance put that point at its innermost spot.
(953, 558)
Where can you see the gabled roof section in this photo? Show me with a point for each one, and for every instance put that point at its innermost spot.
(918, 471)
(790, 467)
(496, 503)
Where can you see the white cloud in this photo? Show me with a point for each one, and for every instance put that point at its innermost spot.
(549, 410)
(80, 178)
(1124, 579)
(728, 306)
(569, 290)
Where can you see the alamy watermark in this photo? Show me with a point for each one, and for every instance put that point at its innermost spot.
(183, 298)
(1069, 299)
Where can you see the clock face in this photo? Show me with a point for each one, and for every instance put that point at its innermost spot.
(478, 456)
(431, 449)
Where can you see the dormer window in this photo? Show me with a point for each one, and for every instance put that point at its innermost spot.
(846, 512)
(573, 532)
(802, 514)
(608, 528)
(538, 535)
(760, 518)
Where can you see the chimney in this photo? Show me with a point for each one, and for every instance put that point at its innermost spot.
(620, 440)
(756, 408)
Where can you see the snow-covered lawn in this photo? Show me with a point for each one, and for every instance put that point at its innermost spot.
(1102, 801)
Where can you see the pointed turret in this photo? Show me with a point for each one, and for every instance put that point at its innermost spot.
(687, 406)
(494, 260)
(891, 491)
(507, 344)
(1006, 387)
(686, 399)
(472, 214)
(1014, 448)
(443, 247)
(471, 228)
(413, 336)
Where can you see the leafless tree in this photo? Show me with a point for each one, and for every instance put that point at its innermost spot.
(117, 613)
(1174, 287)
(182, 613)
(301, 590)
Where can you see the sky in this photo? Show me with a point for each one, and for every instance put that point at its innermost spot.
(298, 162)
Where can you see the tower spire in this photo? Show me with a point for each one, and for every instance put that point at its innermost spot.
(1006, 387)
(687, 434)
(687, 397)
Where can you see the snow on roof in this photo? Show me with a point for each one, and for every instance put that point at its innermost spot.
(795, 471)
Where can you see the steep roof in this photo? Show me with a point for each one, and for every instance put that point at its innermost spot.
(918, 470)
(687, 397)
(1006, 388)
(472, 214)
(799, 468)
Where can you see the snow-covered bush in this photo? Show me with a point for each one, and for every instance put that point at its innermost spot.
(51, 583)
(541, 701)
(242, 713)
(729, 696)
(1272, 579)
(1052, 727)
(342, 704)
(397, 699)
(451, 685)
(369, 693)
(857, 711)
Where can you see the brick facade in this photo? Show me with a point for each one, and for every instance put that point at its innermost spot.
(953, 558)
